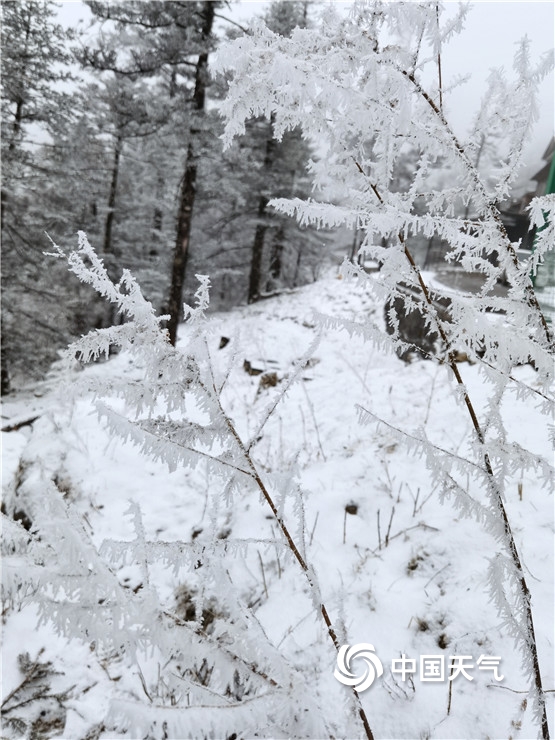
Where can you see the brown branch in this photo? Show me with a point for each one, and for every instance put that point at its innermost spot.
(28, 676)
(17, 426)
(513, 550)
(440, 85)
(514, 691)
(200, 633)
(288, 538)
(491, 208)
(495, 488)
(233, 23)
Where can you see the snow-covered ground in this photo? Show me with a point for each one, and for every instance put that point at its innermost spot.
(396, 567)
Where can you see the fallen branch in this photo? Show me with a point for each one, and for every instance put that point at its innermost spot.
(16, 427)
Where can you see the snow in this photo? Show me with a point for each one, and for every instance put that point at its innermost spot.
(404, 573)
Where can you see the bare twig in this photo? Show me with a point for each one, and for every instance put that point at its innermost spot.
(389, 526)
(311, 407)
(307, 570)
(435, 575)
(422, 525)
(514, 691)
(440, 85)
(263, 574)
(143, 683)
(450, 693)
(28, 677)
(233, 23)
(18, 425)
(314, 528)
(416, 507)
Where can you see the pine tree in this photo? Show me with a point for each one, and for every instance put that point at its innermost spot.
(35, 59)
(189, 183)
(282, 164)
(176, 48)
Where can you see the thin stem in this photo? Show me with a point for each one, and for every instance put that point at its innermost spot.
(450, 694)
(491, 208)
(290, 542)
(389, 526)
(495, 489)
(440, 85)
(28, 676)
(498, 496)
(197, 631)
(316, 428)
(263, 574)
(314, 528)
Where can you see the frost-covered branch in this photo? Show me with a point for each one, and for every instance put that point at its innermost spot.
(182, 380)
(356, 85)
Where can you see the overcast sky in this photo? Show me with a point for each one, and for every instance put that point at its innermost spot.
(491, 32)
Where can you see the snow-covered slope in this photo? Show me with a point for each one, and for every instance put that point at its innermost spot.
(396, 567)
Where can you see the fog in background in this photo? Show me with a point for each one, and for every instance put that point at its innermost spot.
(489, 40)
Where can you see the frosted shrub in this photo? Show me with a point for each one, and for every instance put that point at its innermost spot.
(219, 673)
(213, 670)
(357, 86)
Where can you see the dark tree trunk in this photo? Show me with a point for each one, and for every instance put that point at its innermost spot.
(297, 267)
(15, 133)
(181, 252)
(5, 378)
(157, 219)
(3, 205)
(256, 256)
(5, 383)
(5, 374)
(18, 118)
(276, 260)
(427, 259)
(107, 248)
(16, 124)
(255, 275)
(188, 189)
